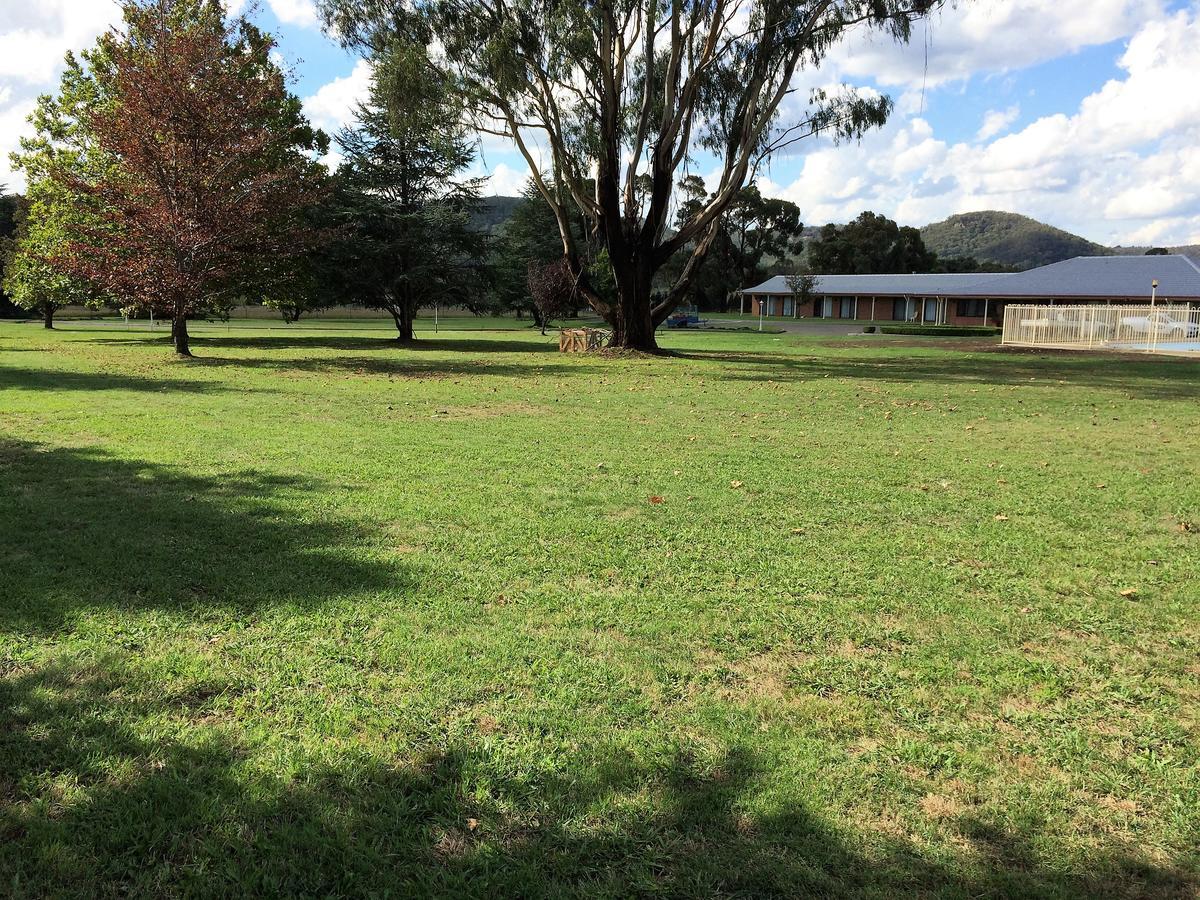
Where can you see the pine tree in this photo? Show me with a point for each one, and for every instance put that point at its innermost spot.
(405, 206)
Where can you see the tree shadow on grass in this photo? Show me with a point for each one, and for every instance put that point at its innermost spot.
(113, 785)
(27, 379)
(520, 342)
(82, 529)
(410, 366)
(1144, 378)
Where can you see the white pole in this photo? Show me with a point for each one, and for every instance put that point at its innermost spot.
(1153, 322)
(760, 313)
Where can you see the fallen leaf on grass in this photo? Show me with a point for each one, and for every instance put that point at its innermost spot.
(472, 824)
(1129, 593)
(656, 499)
(735, 484)
(1001, 518)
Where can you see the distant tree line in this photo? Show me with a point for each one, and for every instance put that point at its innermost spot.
(873, 244)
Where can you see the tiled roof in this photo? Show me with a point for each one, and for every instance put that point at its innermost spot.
(1085, 277)
(883, 285)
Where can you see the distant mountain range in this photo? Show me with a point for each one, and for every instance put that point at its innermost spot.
(1007, 238)
(494, 212)
(1019, 241)
(989, 236)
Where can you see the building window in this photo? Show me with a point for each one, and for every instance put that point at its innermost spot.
(902, 311)
(971, 308)
(847, 308)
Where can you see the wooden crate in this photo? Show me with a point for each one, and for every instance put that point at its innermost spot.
(580, 340)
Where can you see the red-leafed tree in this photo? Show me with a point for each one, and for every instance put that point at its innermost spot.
(212, 165)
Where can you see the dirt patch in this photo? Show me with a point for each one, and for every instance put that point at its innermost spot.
(489, 411)
(939, 806)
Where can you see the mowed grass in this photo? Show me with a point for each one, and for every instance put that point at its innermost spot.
(774, 616)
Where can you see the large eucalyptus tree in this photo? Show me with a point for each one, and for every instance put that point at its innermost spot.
(609, 100)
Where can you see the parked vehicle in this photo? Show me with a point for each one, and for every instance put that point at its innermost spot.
(1162, 324)
(684, 317)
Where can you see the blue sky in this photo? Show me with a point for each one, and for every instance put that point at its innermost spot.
(1082, 113)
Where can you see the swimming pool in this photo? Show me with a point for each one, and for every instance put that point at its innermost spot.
(1192, 346)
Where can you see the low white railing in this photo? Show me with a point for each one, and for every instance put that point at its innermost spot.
(1161, 328)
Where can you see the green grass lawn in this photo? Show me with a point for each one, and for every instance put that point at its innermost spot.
(775, 616)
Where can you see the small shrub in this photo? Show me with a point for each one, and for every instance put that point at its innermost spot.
(942, 330)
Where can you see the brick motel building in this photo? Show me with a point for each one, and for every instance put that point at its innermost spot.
(980, 298)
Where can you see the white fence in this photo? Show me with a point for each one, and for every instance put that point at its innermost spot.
(1144, 329)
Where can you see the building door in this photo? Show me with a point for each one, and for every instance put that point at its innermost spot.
(827, 308)
(931, 311)
(789, 307)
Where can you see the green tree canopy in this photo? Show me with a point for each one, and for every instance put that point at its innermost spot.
(12, 210)
(182, 180)
(54, 213)
(623, 93)
(402, 199)
(754, 235)
(870, 245)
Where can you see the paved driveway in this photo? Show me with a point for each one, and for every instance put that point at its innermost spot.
(800, 326)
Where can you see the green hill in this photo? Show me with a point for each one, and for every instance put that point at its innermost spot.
(1008, 238)
(494, 212)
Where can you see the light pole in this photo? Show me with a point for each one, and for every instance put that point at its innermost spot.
(1153, 321)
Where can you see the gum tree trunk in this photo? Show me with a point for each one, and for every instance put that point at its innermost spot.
(632, 316)
(633, 325)
(48, 316)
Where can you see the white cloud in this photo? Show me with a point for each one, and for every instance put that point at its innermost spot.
(1124, 167)
(991, 37)
(333, 106)
(12, 125)
(302, 13)
(35, 36)
(506, 181)
(996, 121)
